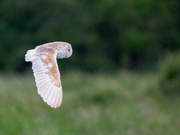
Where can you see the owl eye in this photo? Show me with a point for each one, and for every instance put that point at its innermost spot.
(68, 49)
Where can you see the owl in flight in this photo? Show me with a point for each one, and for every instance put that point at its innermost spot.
(46, 72)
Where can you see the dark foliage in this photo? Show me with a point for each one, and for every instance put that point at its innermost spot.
(169, 81)
(105, 34)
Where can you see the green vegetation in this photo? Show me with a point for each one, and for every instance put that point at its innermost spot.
(94, 104)
(169, 80)
(117, 33)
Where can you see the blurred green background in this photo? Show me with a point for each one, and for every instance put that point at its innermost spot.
(123, 76)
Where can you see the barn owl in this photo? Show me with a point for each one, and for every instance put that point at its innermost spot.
(45, 69)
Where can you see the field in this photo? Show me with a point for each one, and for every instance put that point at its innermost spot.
(121, 103)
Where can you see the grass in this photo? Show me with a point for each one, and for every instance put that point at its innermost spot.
(93, 104)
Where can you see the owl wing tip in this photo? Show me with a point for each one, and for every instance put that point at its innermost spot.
(49, 87)
(52, 96)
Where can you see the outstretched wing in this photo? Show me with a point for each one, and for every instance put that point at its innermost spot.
(47, 78)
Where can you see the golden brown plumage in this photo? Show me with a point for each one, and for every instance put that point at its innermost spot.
(45, 68)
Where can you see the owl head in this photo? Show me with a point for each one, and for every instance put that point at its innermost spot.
(64, 50)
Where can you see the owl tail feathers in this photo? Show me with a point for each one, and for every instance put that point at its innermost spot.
(30, 55)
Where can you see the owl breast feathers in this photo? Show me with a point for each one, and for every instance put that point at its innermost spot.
(45, 69)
